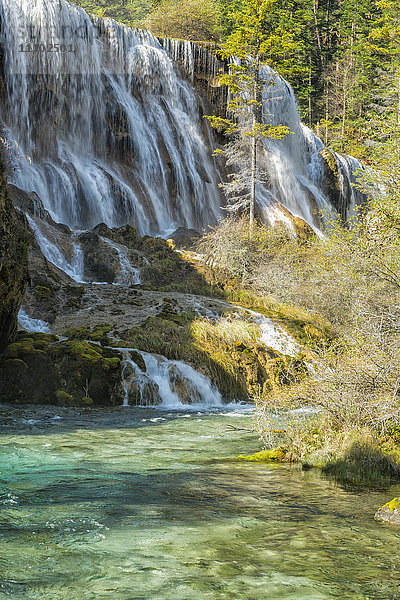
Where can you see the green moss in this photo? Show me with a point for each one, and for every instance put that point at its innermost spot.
(84, 351)
(111, 363)
(138, 359)
(87, 400)
(99, 332)
(63, 397)
(38, 336)
(42, 292)
(19, 349)
(15, 363)
(330, 160)
(275, 454)
(30, 351)
(41, 344)
(77, 333)
(392, 505)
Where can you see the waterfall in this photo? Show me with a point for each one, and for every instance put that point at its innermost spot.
(53, 253)
(108, 127)
(193, 59)
(295, 164)
(107, 130)
(274, 336)
(170, 384)
(350, 196)
(128, 274)
(30, 324)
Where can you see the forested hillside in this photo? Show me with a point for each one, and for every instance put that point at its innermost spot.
(340, 56)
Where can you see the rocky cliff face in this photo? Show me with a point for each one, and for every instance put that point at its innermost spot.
(13, 265)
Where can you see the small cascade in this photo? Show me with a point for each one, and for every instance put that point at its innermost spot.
(54, 255)
(30, 324)
(169, 384)
(193, 58)
(77, 263)
(274, 336)
(350, 196)
(128, 274)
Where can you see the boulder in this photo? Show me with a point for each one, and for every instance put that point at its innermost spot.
(390, 512)
(184, 238)
(39, 368)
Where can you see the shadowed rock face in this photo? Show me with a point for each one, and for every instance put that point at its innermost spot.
(40, 368)
(13, 265)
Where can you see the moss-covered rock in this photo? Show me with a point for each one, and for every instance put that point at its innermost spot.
(43, 292)
(42, 369)
(272, 455)
(331, 182)
(389, 512)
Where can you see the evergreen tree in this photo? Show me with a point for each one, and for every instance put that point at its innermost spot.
(248, 50)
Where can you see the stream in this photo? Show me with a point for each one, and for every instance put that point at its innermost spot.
(145, 504)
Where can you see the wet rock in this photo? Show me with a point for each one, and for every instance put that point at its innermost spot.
(29, 202)
(390, 512)
(138, 359)
(184, 238)
(101, 262)
(299, 226)
(183, 388)
(144, 393)
(331, 181)
(38, 368)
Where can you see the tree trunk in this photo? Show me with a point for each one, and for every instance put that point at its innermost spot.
(256, 120)
(253, 181)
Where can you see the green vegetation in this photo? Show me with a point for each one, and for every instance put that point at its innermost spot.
(347, 286)
(229, 352)
(187, 19)
(338, 295)
(340, 56)
(39, 368)
(128, 12)
(246, 50)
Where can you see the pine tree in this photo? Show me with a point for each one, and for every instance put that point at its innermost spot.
(247, 51)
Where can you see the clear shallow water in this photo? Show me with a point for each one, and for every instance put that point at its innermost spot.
(130, 504)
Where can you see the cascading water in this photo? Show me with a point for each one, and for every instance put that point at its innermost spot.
(295, 164)
(53, 253)
(107, 130)
(30, 324)
(170, 384)
(274, 336)
(128, 274)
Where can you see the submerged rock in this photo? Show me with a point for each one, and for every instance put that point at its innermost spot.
(390, 512)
